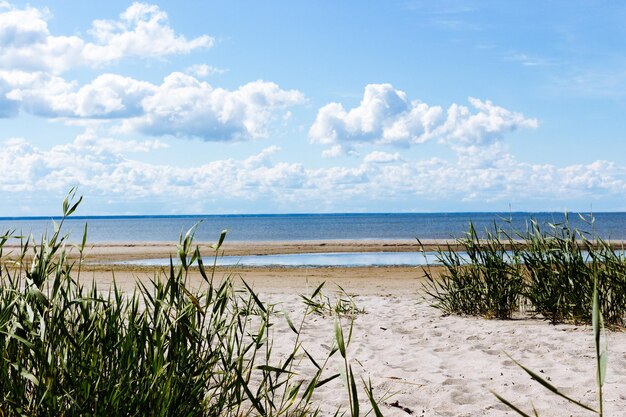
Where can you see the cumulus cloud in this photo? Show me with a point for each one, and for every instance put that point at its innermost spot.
(484, 127)
(387, 116)
(88, 160)
(180, 106)
(108, 96)
(103, 167)
(185, 106)
(142, 30)
(32, 58)
(91, 142)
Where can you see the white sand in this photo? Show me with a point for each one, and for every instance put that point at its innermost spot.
(447, 366)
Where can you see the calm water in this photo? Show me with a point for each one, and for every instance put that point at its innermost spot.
(301, 226)
(316, 259)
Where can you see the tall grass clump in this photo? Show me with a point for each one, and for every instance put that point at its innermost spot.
(560, 280)
(564, 263)
(485, 282)
(163, 350)
(609, 268)
(551, 269)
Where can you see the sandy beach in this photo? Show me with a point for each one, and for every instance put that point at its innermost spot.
(429, 364)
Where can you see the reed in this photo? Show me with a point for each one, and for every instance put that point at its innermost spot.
(487, 282)
(165, 349)
(559, 281)
(608, 266)
(551, 269)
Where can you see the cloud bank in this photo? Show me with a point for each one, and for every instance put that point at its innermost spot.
(100, 166)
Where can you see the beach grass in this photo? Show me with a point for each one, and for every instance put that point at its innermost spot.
(548, 271)
(341, 304)
(70, 348)
(487, 282)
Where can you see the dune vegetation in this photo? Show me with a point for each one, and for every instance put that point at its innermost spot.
(71, 348)
(545, 271)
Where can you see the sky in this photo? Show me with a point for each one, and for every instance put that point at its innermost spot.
(219, 107)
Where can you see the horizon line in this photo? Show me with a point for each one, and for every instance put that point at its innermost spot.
(137, 216)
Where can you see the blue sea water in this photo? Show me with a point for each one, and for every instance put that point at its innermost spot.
(292, 227)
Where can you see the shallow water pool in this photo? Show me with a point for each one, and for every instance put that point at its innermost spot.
(347, 259)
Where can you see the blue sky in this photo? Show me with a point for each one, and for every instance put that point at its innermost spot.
(272, 107)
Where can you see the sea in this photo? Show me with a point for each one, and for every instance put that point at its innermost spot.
(302, 227)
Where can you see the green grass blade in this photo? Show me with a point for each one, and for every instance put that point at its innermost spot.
(255, 297)
(219, 243)
(354, 396)
(601, 348)
(510, 405)
(326, 380)
(318, 289)
(369, 391)
(290, 323)
(339, 338)
(551, 387)
(311, 359)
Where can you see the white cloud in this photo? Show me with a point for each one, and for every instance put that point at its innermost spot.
(185, 106)
(142, 31)
(488, 124)
(92, 143)
(529, 61)
(204, 70)
(181, 106)
(108, 96)
(381, 157)
(386, 116)
(334, 151)
(103, 167)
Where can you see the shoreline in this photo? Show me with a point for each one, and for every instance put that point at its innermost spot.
(107, 252)
(135, 250)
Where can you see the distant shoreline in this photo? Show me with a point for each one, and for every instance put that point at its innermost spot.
(375, 227)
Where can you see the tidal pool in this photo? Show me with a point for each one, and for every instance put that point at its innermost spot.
(347, 259)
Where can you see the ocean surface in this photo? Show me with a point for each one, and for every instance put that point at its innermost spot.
(293, 227)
